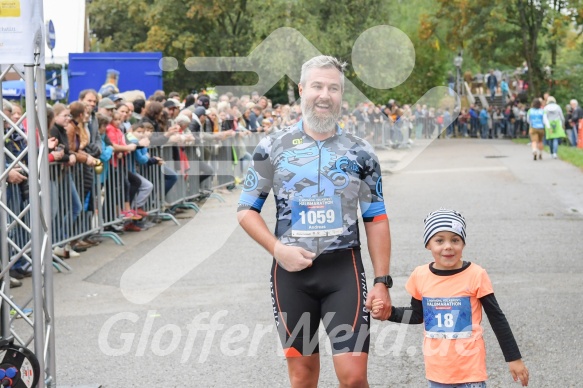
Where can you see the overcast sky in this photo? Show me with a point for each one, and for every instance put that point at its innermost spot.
(68, 17)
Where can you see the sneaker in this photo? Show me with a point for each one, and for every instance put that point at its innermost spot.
(25, 312)
(130, 215)
(554, 156)
(534, 156)
(94, 238)
(15, 274)
(540, 156)
(82, 244)
(114, 228)
(145, 225)
(72, 253)
(141, 212)
(15, 282)
(131, 227)
(60, 251)
(24, 272)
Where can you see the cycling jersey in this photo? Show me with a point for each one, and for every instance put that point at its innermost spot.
(317, 187)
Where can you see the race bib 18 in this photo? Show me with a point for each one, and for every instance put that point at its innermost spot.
(449, 318)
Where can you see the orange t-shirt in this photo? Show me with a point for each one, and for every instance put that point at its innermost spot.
(453, 346)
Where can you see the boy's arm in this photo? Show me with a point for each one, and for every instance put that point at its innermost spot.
(501, 328)
(412, 315)
(505, 338)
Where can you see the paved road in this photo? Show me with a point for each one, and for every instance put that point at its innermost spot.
(524, 226)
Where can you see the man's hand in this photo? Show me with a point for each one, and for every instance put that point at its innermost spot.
(382, 302)
(14, 176)
(159, 159)
(293, 259)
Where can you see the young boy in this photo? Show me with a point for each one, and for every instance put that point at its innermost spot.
(448, 295)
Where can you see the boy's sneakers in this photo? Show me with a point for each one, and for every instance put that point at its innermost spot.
(15, 283)
(130, 215)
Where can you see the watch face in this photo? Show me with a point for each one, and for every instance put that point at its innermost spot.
(386, 280)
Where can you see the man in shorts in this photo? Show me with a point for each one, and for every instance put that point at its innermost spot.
(319, 175)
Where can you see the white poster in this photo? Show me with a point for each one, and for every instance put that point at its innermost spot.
(21, 31)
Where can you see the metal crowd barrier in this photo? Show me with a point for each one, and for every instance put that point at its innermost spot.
(154, 173)
(185, 174)
(73, 202)
(85, 203)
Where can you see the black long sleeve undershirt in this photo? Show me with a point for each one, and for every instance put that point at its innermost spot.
(413, 315)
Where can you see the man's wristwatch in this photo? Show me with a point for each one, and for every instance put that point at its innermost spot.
(387, 280)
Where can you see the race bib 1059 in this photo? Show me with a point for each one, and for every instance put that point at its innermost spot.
(316, 217)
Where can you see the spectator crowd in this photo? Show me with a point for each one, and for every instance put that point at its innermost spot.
(121, 152)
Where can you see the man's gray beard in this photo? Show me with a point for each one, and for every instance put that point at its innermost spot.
(317, 124)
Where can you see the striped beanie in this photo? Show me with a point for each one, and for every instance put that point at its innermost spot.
(444, 220)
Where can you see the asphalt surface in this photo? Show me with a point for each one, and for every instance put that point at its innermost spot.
(138, 315)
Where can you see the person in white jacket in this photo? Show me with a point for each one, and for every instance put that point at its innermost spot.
(554, 122)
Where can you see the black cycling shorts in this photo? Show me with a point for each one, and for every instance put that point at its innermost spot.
(332, 290)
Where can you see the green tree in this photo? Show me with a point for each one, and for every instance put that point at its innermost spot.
(509, 32)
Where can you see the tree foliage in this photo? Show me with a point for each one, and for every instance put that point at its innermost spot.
(508, 32)
(491, 33)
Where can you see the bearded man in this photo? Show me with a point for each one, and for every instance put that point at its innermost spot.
(319, 175)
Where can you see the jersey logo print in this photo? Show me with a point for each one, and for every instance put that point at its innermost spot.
(379, 188)
(308, 164)
(251, 180)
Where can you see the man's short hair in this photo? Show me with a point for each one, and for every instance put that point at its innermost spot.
(139, 105)
(85, 92)
(323, 62)
(172, 103)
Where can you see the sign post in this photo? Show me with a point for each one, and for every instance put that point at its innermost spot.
(50, 36)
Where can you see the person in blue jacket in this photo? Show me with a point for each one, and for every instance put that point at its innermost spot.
(484, 116)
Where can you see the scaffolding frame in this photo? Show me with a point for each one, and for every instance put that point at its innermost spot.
(34, 219)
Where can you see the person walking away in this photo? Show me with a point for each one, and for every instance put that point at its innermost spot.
(554, 123)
